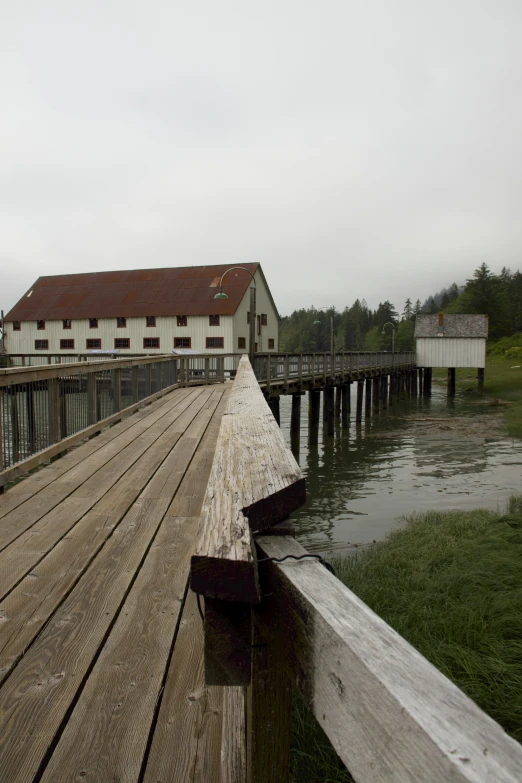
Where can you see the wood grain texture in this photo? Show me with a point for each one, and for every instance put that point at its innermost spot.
(186, 745)
(254, 482)
(390, 714)
(233, 736)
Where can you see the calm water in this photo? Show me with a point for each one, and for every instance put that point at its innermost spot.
(360, 481)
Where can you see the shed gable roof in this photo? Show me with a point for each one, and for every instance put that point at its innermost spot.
(136, 292)
(453, 326)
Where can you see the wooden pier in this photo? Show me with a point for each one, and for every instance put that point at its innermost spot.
(109, 673)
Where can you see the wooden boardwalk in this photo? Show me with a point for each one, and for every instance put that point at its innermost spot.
(101, 644)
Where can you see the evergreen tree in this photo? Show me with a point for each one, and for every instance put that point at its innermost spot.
(408, 310)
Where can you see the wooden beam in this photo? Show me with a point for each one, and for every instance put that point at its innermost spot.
(391, 716)
(254, 483)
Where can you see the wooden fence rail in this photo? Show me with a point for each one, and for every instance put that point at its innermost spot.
(46, 409)
(280, 620)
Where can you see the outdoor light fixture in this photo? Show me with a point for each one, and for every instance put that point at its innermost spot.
(222, 295)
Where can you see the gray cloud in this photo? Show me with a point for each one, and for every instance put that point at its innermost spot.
(354, 149)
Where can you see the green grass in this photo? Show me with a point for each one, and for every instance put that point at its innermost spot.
(451, 584)
(502, 381)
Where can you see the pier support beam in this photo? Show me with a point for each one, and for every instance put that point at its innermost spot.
(451, 381)
(481, 379)
(384, 389)
(360, 395)
(329, 408)
(427, 381)
(368, 398)
(295, 423)
(376, 392)
(414, 388)
(314, 406)
(273, 404)
(337, 402)
(345, 403)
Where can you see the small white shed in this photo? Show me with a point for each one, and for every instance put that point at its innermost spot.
(451, 340)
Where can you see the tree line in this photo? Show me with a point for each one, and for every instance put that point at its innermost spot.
(359, 328)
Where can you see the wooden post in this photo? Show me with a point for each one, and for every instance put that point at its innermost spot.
(286, 369)
(207, 369)
(15, 424)
(63, 408)
(338, 401)
(300, 369)
(414, 388)
(393, 384)
(91, 399)
(148, 377)
(360, 394)
(421, 382)
(451, 381)
(31, 420)
(53, 410)
(345, 403)
(269, 707)
(295, 423)
(384, 384)
(481, 379)
(134, 383)
(427, 381)
(314, 406)
(368, 398)
(329, 408)
(273, 404)
(116, 390)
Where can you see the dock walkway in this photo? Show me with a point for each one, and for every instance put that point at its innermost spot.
(101, 644)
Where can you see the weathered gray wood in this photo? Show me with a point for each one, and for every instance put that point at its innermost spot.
(91, 399)
(233, 742)
(254, 483)
(391, 716)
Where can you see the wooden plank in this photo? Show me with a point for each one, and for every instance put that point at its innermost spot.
(93, 476)
(228, 642)
(186, 745)
(390, 715)
(233, 736)
(34, 483)
(254, 482)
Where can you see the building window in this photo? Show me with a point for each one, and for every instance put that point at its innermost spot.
(263, 319)
(213, 320)
(66, 345)
(93, 342)
(150, 320)
(16, 326)
(182, 320)
(183, 342)
(248, 317)
(93, 323)
(215, 342)
(122, 342)
(271, 343)
(241, 342)
(66, 323)
(41, 345)
(40, 324)
(151, 342)
(121, 323)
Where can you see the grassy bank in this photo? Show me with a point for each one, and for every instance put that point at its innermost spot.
(451, 584)
(503, 381)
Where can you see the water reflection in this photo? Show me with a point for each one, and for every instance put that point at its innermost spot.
(362, 479)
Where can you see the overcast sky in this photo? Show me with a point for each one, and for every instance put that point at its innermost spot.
(367, 148)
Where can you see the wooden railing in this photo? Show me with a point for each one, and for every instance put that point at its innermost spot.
(275, 618)
(292, 367)
(46, 409)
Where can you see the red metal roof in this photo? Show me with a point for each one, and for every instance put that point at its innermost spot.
(188, 290)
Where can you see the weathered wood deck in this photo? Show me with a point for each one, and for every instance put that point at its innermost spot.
(101, 644)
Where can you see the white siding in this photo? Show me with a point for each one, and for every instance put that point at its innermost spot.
(451, 352)
(263, 306)
(198, 329)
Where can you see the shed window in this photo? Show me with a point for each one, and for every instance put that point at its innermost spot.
(40, 324)
(93, 342)
(183, 342)
(41, 345)
(151, 342)
(16, 326)
(241, 342)
(182, 320)
(93, 323)
(121, 323)
(150, 320)
(263, 319)
(270, 343)
(215, 342)
(66, 345)
(122, 342)
(66, 323)
(213, 320)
